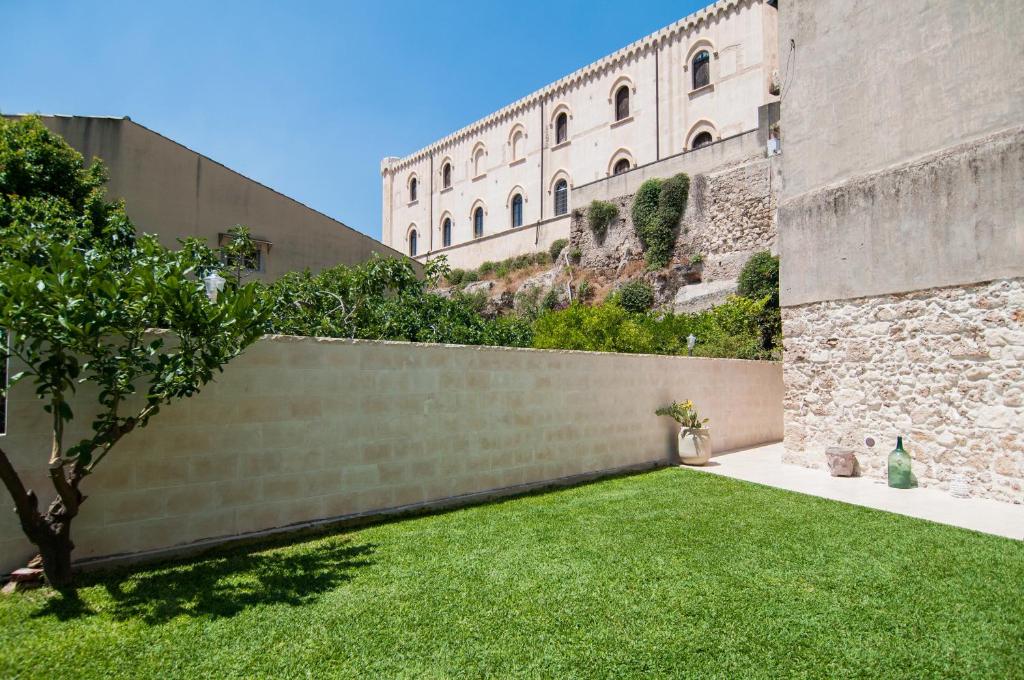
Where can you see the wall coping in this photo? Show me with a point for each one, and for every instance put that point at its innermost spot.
(493, 348)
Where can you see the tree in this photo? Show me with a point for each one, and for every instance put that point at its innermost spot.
(759, 280)
(80, 297)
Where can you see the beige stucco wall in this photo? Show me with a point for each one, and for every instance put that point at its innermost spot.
(300, 429)
(665, 115)
(175, 192)
(903, 139)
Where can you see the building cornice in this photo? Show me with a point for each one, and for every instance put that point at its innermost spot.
(597, 69)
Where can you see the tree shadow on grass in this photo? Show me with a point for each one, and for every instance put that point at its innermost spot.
(219, 585)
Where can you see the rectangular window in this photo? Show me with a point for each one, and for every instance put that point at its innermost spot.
(257, 263)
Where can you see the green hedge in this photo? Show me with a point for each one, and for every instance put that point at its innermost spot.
(657, 208)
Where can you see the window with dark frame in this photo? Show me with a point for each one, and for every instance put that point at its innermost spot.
(446, 232)
(561, 197)
(517, 211)
(446, 176)
(622, 103)
(256, 263)
(478, 222)
(701, 69)
(702, 139)
(412, 189)
(561, 128)
(621, 166)
(412, 243)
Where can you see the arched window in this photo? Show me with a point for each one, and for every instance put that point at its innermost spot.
(561, 127)
(517, 145)
(478, 222)
(702, 139)
(622, 103)
(561, 197)
(478, 162)
(621, 166)
(412, 243)
(517, 210)
(412, 189)
(701, 69)
(446, 175)
(446, 232)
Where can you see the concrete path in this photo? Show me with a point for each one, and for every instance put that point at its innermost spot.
(763, 465)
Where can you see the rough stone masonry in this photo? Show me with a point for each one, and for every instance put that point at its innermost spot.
(942, 367)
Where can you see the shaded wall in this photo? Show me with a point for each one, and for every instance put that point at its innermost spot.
(175, 192)
(301, 429)
(901, 231)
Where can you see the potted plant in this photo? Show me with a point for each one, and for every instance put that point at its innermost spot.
(694, 438)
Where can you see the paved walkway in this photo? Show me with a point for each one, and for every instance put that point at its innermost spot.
(763, 465)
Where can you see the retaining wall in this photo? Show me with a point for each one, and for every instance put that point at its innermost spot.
(304, 429)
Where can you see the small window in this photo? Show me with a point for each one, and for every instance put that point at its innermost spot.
(517, 145)
(478, 163)
(622, 103)
(446, 232)
(561, 128)
(702, 139)
(517, 211)
(254, 261)
(561, 197)
(412, 243)
(446, 176)
(478, 222)
(701, 69)
(621, 166)
(412, 189)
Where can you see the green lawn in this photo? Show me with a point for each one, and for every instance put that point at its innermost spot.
(674, 573)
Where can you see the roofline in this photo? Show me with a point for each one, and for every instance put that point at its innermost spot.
(643, 45)
(211, 160)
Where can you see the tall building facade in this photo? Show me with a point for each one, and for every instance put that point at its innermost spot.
(504, 185)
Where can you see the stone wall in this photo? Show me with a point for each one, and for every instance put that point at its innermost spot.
(942, 367)
(300, 430)
(730, 216)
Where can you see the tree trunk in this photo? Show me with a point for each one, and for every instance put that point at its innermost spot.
(55, 550)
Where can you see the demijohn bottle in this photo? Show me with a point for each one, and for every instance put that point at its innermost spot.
(899, 467)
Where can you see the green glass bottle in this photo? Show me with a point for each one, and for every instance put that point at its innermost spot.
(899, 467)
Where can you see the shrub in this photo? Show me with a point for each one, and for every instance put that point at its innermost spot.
(760, 278)
(470, 276)
(541, 258)
(657, 208)
(575, 254)
(729, 330)
(502, 269)
(486, 268)
(551, 299)
(600, 215)
(697, 259)
(636, 296)
(455, 276)
(584, 290)
(556, 248)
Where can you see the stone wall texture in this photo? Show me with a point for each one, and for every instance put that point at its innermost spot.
(942, 367)
(302, 429)
(730, 215)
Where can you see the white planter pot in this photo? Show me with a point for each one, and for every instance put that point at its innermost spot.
(694, 446)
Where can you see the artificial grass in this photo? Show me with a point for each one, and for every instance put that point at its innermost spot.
(673, 573)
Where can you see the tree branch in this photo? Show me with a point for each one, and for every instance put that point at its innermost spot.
(24, 501)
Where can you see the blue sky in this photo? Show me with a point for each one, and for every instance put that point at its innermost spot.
(306, 97)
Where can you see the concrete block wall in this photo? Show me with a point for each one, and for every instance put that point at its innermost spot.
(302, 429)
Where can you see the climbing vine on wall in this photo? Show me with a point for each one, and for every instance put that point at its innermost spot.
(657, 208)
